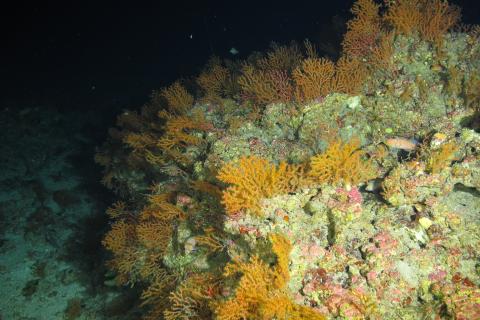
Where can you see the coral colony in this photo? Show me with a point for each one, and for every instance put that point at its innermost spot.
(291, 186)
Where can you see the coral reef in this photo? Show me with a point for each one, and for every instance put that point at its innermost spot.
(296, 187)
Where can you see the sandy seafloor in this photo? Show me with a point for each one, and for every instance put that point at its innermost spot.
(52, 219)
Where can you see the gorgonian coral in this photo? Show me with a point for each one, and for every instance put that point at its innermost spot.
(254, 178)
(341, 163)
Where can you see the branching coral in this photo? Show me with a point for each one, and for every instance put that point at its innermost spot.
(213, 80)
(178, 98)
(430, 18)
(268, 79)
(317, 77)
(349, 76)
(190, 300)
(266, 86)
(178, 134)
(280, 58)
(441, 158)
(261, 292)
(254, 178)
(363, 30)
(313, 78)
(160, 208)
(139, 243)
(341, 163)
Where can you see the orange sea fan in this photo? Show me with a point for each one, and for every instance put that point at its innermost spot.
(178, 131)
(349, 76)
(404, 15)
(313, 78)
(439, 17)
(178, 98)
(441, 158)
(266, 86)
(139, 142)
(155, 234)
(117, 209)
(317, 77)
(261, 292)
(206, 187)
(281, 58)
(213, 80)
(341, 162)
(431, 18)
(252, 179)
(160, 208)
(281, 246)
(119, 237)
(363, 30)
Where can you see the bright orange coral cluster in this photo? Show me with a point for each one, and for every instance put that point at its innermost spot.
(261, 292)
(213, 80)
(178, 133)
(317, 77)
(254, 178)
(265, 86)
(430, 18)
(341, 163)
(178, 98)
(363, 30)
(151, 231)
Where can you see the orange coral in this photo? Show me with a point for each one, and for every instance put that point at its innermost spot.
(317, 77)
(156, 295)
(139, 142)
(430, 18)
(404, 15)
(282, 58)
(261, 292)
(120, 240)
(268, 79)
(178, 98)
(281, 246)
(116, 210)
(363, 29)
(183, 305)
(213, 80)
(313, 78)
(160, 208)
(177, 131)
(207, 187)
(119, 237)
(190, 299)
(254, 178)
(154, 234)
(349, 77)
(138, 244)
(265, 86)
(381, 55)
(310, 49)
(441, 158)
(341, 162)
(439, 17)
(178, 134)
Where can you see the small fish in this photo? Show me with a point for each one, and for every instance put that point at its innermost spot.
(402, 143)
(234, 51)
